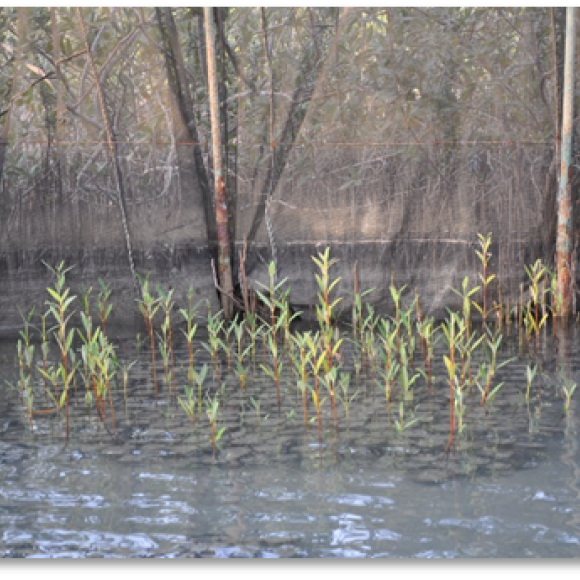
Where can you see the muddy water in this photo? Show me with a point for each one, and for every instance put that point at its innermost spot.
(509, 487)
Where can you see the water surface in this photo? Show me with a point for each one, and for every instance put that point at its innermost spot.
(510, 487)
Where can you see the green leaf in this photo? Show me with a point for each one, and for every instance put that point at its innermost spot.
(506, 362)
(334, 284)
(494, 391)
(185, 407)
(262, 297)
(54, 294)
(268, 371)
(320, 282)
(69, 339)
(68, 301)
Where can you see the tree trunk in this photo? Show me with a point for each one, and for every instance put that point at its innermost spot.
(564, 236)
(114, 156)
(221, 206)
(176, 74)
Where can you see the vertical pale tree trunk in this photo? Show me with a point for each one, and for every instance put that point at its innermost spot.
(564, 236)
(267, 209)
(221, 206)
(114, 156)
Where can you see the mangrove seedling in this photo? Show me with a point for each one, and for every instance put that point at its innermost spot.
(530, 375)
(25, 334)
(357, 311)
(239, 330)
(164, 351)
(426, 333)
(188, 405)
(25, 349)
(256, 405)
(568, 388)
(452, 330)
(316, 360)
(410, 337)
(106, 367)
(533, 324)
(535, 274)
(59, 307)
(89, 355)
(104, 307)
(388, 340)
(370, 350)
(228, 329)
(326, 308)
(199, 378)
(44, 344)
(486, 375)
(389, 376)
(401, 425)
(215, 324)
(459, 405)
(466, 301)
(66, 376)
(325, 285)
(73, 360)
(189, 315)
(344, 395)
(254, 332)
(287, 316)
(329, 381)
(493, 343)
(125, 370)
(396, 296)
(451, 371)
(167, 303)
(211, 410)
(302, 358)
(318, 406)
(148, 307)
(467, 345)
(405, 381)
(484, 255)
(241, 372)
(51, 375)
(271, 300)
(85, 294)
(367, 335)
(275, 372)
